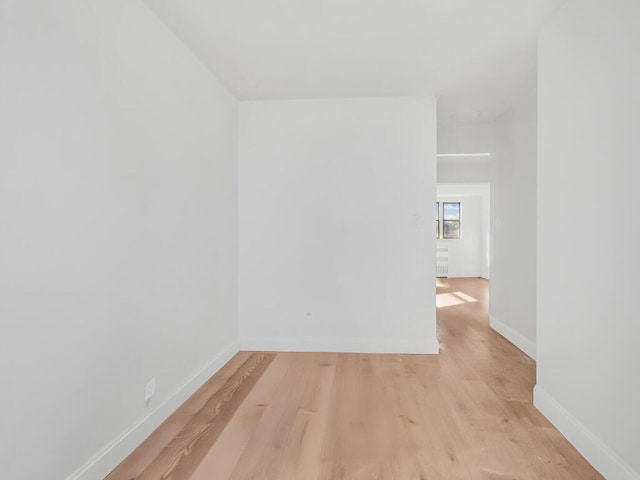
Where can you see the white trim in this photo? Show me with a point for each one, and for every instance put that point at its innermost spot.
(515, 337)
(459, 274)
(603, 459)
(428, 346)
(122, 446)
(440, 155)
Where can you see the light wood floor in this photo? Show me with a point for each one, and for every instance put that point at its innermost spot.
(465, 414)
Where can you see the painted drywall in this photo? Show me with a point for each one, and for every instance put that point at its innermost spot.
(464, 138)
(588, 258)
(336, 235)
(464, 170)
(513, 224)
(464, 252)
(468, 255)
(485, 243)
(118, 221)
(474, 54)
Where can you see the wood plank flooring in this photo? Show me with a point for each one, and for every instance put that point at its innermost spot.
(464, 414)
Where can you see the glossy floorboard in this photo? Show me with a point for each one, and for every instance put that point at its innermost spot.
(465, 414)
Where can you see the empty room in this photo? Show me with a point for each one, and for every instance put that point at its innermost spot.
(217, 249)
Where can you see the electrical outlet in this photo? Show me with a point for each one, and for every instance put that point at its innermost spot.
(150, 389)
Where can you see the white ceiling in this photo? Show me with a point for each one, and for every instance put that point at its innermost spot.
(477, 56)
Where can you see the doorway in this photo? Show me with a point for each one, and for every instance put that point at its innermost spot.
(462, 212)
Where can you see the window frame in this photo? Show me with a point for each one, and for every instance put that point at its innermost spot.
(458, 221)
(437, 220)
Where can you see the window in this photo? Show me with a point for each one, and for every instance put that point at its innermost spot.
(437, 219)
(451, 220)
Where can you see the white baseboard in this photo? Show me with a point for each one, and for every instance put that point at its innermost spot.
(428, 346)
(454, 274)
(122, 446)
(603, 459)
(515, 337)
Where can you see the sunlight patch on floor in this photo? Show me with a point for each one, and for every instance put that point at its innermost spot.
(465, 297)
(452, 299)
(447, 300)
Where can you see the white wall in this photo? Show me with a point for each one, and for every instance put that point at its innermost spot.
(118, 222)
(464, 138)
(588, 257)
(464, 169)
(485, 243)
(468, 255)
(513, 225)
(336, 207)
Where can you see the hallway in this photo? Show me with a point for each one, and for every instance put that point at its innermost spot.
(465, 414)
